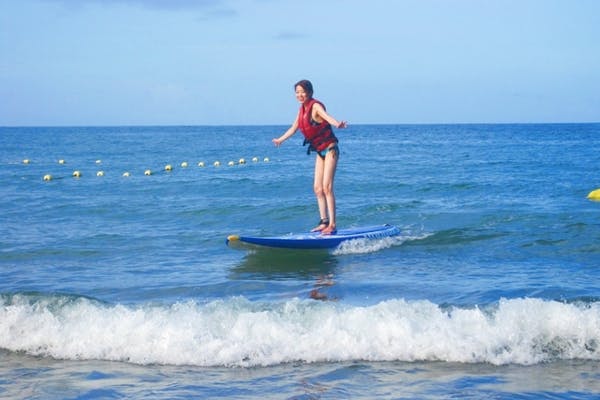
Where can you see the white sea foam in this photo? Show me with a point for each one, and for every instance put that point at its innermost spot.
(364, 246)
(237, 332)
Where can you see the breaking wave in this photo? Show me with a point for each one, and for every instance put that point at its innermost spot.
(240, 333)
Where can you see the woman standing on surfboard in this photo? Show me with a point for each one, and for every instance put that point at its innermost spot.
(315, 124)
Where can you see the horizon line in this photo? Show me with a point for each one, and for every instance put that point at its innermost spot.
(285, 124)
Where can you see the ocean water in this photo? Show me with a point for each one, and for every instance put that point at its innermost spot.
(123, 287)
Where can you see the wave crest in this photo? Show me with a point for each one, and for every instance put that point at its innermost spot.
(237, 332)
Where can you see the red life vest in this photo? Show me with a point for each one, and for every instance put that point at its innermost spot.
(318, 135)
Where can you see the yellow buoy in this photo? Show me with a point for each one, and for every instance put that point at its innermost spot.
(217, 164)
(47, 177)
(184, 164)
(126, 174)
(254, 159)
(100, 173)
(77, 174)
(242, 161)
(594, 195)
(61, 161)
(231, 163)
(201, 164)
(147, 172)
(266, 159)
(168, 167)
(26, 161)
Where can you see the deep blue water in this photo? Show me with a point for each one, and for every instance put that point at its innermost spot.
(122, 286)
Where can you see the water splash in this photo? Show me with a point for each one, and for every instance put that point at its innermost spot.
(364, 246)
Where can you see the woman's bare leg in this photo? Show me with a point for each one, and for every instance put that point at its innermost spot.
(330, 165)
(319, 193)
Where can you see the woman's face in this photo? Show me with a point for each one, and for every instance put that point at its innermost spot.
(301, 94)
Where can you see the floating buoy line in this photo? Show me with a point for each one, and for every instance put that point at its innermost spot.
(594, 195)
(77, 174)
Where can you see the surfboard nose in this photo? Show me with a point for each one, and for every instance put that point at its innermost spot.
(232, 238)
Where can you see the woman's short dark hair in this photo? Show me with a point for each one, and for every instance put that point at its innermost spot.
(306, 85)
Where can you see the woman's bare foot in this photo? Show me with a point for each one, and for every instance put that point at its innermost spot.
(329, 230)
(323, 223)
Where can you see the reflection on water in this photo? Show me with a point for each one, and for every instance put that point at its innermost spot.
(285, 264)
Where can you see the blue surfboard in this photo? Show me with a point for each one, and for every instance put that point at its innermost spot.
(316, 240)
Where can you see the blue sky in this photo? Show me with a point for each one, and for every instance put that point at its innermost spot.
(214, 62)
